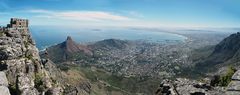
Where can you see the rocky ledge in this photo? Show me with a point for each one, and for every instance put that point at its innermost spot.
(234, 86)
(182, 86)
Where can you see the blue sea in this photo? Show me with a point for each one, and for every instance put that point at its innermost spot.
(47, 36)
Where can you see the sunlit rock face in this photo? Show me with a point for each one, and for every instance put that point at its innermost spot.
(20, 60)
(182, 86)
(4, 84)
(234, 86)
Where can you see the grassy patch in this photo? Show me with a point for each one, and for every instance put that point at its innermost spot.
(39, 82)
(119, 83)
(63, 67)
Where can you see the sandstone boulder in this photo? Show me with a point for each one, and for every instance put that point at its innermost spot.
(3, 84)
(4, 90)
(3, 79)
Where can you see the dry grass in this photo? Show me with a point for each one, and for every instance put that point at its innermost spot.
(74, 77)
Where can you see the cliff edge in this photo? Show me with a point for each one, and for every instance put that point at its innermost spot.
(20, 61)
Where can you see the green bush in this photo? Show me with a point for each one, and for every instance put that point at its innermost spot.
(39, 82)
(63, 67)
(225, 79)
(30, 57)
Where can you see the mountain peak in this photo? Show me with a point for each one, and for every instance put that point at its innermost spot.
(70, 46)
(67, 49)
(69, 38)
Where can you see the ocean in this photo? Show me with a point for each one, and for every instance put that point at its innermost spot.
(47, 36)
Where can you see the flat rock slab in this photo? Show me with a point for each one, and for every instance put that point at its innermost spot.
(4, 90)
(3, 79)
(233, 92)
(234, 86)
(236, 75)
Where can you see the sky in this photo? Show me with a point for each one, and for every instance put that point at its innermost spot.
(136, 13)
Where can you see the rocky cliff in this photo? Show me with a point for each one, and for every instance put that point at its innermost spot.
(20, 62)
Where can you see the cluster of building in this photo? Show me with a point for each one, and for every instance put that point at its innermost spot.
(16, 24)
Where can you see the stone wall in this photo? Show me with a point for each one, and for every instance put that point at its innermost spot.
(18, 23)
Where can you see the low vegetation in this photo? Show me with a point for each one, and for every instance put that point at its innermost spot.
(13, 89)
(226, 79)
(223, 80)
(112, 82)
(39, 82)
(1, 33)
(63, 68)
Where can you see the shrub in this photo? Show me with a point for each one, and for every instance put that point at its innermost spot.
(63, 67)
(225, 79)
(39, 82)
(13, 89)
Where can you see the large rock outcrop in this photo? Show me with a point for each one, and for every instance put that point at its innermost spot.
(20, 60)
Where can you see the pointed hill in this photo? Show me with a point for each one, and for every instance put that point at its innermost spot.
(67, 50)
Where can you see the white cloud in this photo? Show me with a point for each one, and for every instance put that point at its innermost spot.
(38, 11)
(135, 14)
(80, 15)
(90, 18)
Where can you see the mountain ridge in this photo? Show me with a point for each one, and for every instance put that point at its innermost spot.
(227, 52)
